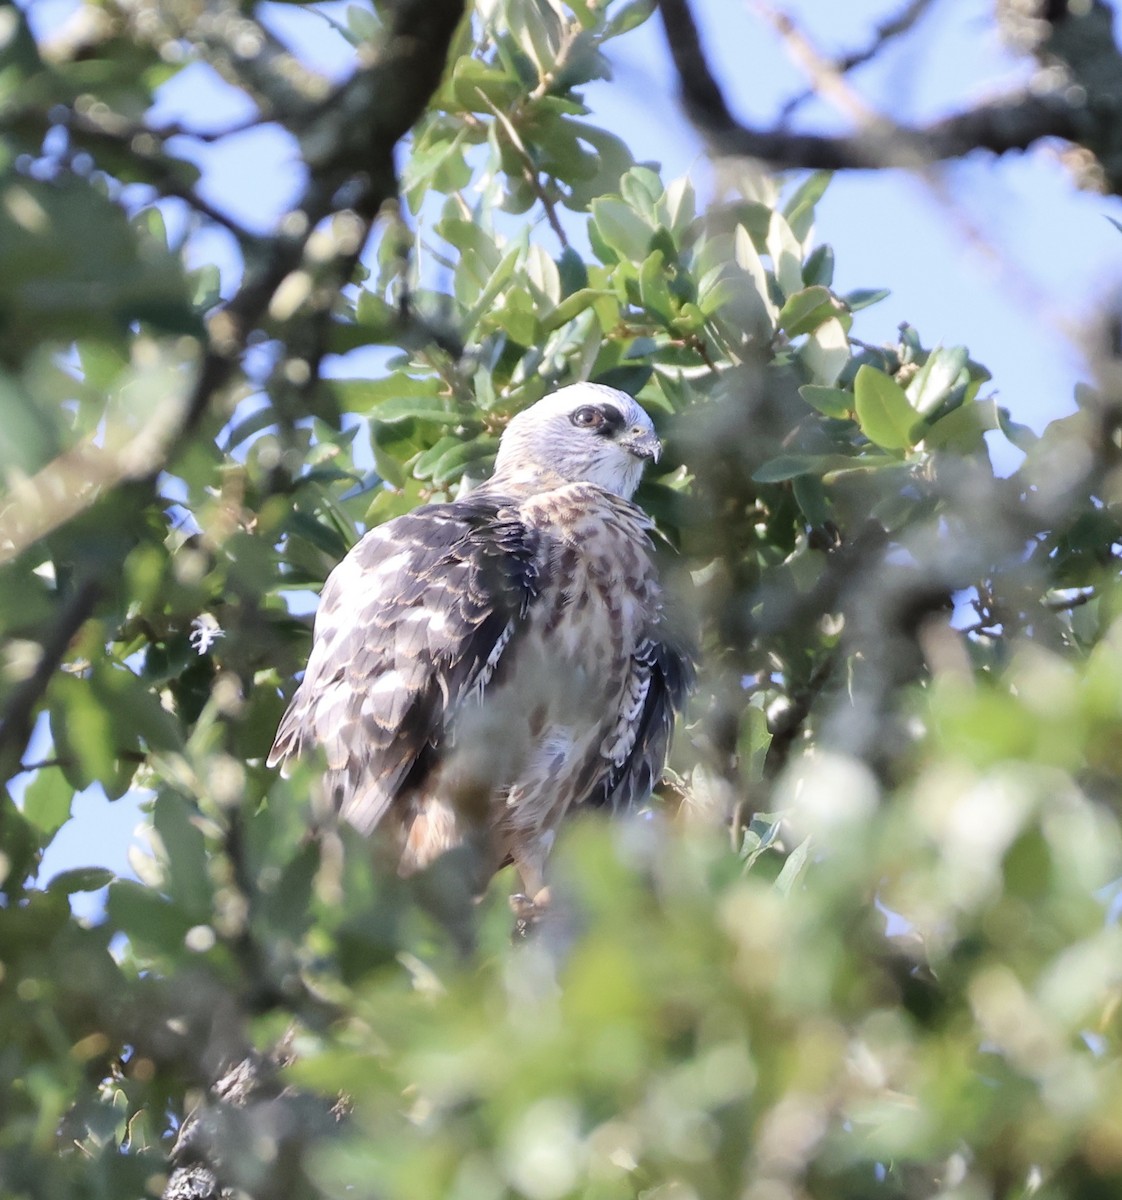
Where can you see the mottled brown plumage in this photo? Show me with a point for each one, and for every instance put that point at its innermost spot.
(481, 667)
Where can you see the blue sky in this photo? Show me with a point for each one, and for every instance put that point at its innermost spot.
(1005, 256)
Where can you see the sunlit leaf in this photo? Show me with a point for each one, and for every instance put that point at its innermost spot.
(825, 353)
(883, 412)
(806, 310)
(830, 402)
(47, 800)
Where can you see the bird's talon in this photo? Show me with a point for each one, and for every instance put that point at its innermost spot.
(527, 912)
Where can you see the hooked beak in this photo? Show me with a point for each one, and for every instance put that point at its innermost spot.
(642, 444)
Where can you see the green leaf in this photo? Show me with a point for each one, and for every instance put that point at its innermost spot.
(470, 235)
(185, 857)
(572, 306)
(799, 209)
(678, 207)
(810, 191)
(362, 25)
(71, 266)
(426, 463)
(627, 16)
(1022, 436)
(136, 710)
(287, 904)
(83, 729)
(145, 917)
(653, 289)
(477, 85)
(364, 395)
(454, 462)
(962, 428)
(573, 272)
(747, 257)
(501, 277)
(786, 256)
(787, 466)
(612, 159)
(323, 537)
(819, 267)
(377, 316)
(543, 276)
(206, 287)
(825, 353)
(388, 503)
(621, 229)
(241, 431)
(81, 879)
(518, 316)
(811, 497)
(830, 402)
(150, 221)
(630, 379)
(806, 310)
(388, 465)
(883, 412)
(795, 466)
(936, 377)
(864, 297)
(429, 410)
(537, 29)
(47, 800)
(797, 862)
(642, 189)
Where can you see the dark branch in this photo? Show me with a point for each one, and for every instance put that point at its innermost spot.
(891, 27)
(19, 712)
(788, 724)
(886, 31)
(1011, 124)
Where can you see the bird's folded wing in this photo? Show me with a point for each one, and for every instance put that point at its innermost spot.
(412, 622)
(634, 751)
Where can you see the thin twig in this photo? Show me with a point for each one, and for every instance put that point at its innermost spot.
(1013, 123)
(886, 31)
(989, 621)
(41, 765)
(529, 170)
(825, 78)
(788, 727)
(1077, 601)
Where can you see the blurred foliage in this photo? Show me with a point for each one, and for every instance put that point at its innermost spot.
(865, 945)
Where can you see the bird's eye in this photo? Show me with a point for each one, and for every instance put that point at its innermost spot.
(588, 417)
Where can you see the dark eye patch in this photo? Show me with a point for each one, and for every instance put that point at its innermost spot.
(605, 421)
(613, 420)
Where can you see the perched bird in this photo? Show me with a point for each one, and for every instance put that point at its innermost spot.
(483, 666)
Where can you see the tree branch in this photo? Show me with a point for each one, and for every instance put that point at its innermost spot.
(886, 31)
(18, 715)
(1013, 123)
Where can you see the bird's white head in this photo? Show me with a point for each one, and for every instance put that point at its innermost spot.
(586, 433)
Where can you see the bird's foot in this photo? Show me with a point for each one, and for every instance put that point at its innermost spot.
(528, 912)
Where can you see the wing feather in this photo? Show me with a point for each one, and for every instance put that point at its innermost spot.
(414, 620)
(634, 751)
